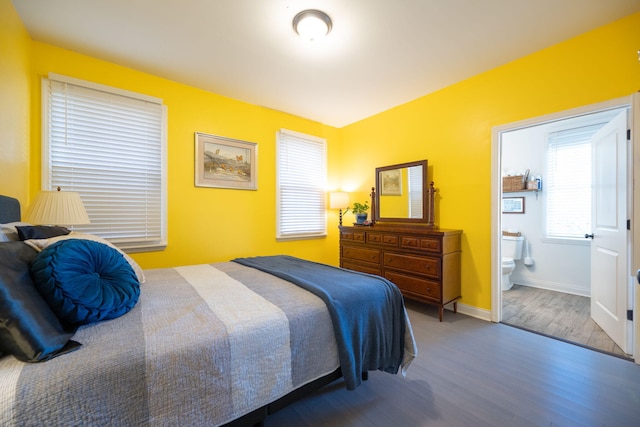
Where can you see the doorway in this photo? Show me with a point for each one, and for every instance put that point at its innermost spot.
(559, 266)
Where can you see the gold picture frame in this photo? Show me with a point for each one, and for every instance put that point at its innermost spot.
(222, 162)
(391, 182)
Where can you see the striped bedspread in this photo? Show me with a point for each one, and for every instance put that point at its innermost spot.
(204, 345)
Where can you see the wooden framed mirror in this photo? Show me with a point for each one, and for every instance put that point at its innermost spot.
(402, 193)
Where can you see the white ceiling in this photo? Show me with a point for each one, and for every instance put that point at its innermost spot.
(380, 53)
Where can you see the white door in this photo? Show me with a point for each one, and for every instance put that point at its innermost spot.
(609, 272)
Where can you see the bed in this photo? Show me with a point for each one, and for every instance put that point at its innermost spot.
(213, 344)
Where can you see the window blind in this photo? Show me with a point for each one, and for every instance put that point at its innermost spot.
(568, 185)
(108, 145)
(301, 177)
(415, 192)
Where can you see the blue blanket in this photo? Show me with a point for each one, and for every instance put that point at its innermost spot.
(367, 312)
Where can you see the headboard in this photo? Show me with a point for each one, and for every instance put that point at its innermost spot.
(9, 209)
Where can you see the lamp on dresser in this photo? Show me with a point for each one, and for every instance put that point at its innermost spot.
(339, 200)
(57, 208)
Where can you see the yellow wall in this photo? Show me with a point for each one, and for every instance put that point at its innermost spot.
(14, 104)
(205, 224)
(452, 129)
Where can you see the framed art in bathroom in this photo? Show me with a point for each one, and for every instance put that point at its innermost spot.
(513, 205)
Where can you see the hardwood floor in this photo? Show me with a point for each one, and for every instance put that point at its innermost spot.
(560, 315)
(470, 372)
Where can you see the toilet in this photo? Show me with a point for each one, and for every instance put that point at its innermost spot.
(511, 251)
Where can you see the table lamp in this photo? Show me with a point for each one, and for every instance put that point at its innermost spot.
(57, 208)
(339, 200)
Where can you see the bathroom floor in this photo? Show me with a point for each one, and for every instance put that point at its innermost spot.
(555, 314)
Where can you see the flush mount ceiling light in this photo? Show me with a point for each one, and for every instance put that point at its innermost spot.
(312, 24)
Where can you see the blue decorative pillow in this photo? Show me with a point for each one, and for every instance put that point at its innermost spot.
(85, 281)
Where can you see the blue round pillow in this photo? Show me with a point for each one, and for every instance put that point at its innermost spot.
(85, 281)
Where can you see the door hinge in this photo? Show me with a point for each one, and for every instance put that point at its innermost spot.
(628, 224)
(628, 134)
(630, 315)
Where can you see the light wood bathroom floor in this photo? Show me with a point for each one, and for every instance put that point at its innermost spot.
(556, 314)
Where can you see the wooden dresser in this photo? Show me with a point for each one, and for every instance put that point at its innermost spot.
(424, 262)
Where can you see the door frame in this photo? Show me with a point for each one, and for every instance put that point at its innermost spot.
(631, 101)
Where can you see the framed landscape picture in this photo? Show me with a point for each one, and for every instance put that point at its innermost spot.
(225, 163)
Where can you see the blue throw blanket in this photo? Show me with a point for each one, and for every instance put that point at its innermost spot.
(367, 312)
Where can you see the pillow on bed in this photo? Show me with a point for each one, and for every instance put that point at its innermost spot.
(40, 244)
(85, 281)
(8, 231)
(29, 330)
(26, 232)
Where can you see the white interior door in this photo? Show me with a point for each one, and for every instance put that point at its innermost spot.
(609, 271)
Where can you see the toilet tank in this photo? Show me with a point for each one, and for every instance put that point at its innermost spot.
(512, 246)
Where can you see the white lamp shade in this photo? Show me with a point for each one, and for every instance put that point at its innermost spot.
(57, 208)
(338, 200)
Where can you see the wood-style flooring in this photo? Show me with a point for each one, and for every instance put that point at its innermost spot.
(559, 315)
(470, 372)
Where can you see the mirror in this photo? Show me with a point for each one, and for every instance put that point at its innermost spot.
(402, 193)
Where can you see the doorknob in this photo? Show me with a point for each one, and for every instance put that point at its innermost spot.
(588, 236)
(638, 276)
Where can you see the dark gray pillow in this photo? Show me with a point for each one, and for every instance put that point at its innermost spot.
(29, 329)
(40, 231)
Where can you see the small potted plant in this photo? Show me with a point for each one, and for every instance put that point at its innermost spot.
(360, 211)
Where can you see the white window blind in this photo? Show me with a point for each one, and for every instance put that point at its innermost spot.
(568, 185)
(108, 145)
(301, 177)
(415, 192)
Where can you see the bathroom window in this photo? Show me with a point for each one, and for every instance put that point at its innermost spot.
(568, 182)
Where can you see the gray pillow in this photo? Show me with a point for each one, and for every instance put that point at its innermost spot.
(29, 330)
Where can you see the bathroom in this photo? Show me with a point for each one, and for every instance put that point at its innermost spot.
(568, 283)
(561, 265)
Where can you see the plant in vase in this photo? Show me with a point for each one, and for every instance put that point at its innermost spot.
(360, 211)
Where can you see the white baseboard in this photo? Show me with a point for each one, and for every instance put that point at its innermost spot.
(555, 286)
(469, 310)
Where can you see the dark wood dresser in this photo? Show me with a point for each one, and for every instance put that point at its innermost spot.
(423, 261)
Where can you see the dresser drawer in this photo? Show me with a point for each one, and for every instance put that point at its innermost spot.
(427, 244)
(413, 263)
(384, 239)
(362, 254)
(415, 285)
(356, 236)
(363, 268)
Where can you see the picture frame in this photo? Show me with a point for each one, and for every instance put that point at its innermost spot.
(222, 162)
(391, 182)
(514, 205)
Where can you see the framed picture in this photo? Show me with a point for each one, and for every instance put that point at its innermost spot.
(513, 205)
(225, 163)
(391, 182)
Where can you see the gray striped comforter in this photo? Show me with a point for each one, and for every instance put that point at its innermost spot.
(204, 345)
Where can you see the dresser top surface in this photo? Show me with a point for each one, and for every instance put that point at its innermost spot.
(400, 228)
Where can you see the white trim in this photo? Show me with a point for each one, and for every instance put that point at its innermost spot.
(104, 88)
(478, 313)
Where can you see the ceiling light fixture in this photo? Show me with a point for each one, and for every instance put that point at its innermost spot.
(312, 24)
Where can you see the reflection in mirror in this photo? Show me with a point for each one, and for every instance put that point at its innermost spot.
(401, 192)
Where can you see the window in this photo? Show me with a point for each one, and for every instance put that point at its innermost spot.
(301, 177)
(415, 192)
(108, 145)
(568, 184)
